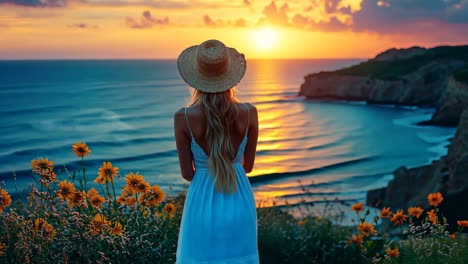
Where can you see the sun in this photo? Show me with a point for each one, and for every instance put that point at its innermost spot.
(265, 39)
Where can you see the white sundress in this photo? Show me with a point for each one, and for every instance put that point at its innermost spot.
(217, 228)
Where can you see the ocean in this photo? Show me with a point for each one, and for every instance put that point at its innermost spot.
(123, 109)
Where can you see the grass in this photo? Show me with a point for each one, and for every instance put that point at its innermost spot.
(61, 221)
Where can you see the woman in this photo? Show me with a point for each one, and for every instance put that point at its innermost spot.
(216, 140)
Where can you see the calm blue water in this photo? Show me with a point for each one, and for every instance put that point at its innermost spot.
(123, 110)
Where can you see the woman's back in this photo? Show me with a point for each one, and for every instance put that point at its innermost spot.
(197, 123)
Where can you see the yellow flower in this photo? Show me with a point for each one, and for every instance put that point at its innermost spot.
(357, 207)
(124, 196)
(143, 187)
(358, 239)
(92, 192)
(153, 196)
(398, 218)
(94, 198)
(462, 223)
(386, 213)
(435, 198)
(133, 180)
(366, 229)
(432, 216)
(415, 211)
(393, 253)
(67, 189)
(2, 248)
(107, 173)
(81, 149)
(98, 225)
(44, 168)
(116, 228)
(169, 208)
(42, 164)
(5, 199)
(77, 199)
(131, 201)
(41, 225)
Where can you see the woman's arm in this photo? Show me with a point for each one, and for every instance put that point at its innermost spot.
(251, 147)
(183, 142)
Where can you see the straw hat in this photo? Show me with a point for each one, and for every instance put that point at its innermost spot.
(211, 67)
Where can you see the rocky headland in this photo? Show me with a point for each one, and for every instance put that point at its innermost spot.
(436, 77)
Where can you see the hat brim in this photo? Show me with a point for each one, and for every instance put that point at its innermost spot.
(187, 66)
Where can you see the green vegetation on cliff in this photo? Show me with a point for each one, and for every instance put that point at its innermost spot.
(393, 69)
(462, 75)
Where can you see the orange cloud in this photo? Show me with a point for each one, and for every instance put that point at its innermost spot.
(276, 15)
(208, 21)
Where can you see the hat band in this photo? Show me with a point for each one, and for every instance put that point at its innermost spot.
(213, 69)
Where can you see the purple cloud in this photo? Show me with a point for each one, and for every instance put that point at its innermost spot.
(146, 21)
(83, 26)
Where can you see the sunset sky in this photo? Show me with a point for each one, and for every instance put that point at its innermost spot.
(48, 29)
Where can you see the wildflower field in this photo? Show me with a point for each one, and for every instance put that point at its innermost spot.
(61, 220)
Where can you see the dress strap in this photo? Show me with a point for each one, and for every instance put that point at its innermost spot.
(188, 124)
(248, 115)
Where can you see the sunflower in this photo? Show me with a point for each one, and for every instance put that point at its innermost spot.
(92, 192)
(432, 216)
(42, 164)
(462, 223)
(435, 199)
(107, 173)
(153, 196)
(66, 190)
(415, 211)
(386, 213)
(77, 199)
(131, 201)
(124, 196)
(398, 218)
(81, 149)
(169, 208)
(98, 225)
(357, 207)
(133, 180)
(358, 239)
(5, 199)
(143, 187)
(41, 226)
(393, 253)
(116, 228)
(94, 198)
(366, 229)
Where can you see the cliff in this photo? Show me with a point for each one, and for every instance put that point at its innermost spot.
(431, 78)
(448, 175)
(436, 77)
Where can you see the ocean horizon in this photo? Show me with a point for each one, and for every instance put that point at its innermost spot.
(123, 110)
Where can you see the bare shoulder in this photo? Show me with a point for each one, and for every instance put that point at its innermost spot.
(251, 108)
(179, 116)
(179, 113)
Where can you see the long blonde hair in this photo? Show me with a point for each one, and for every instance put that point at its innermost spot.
(220, 110)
